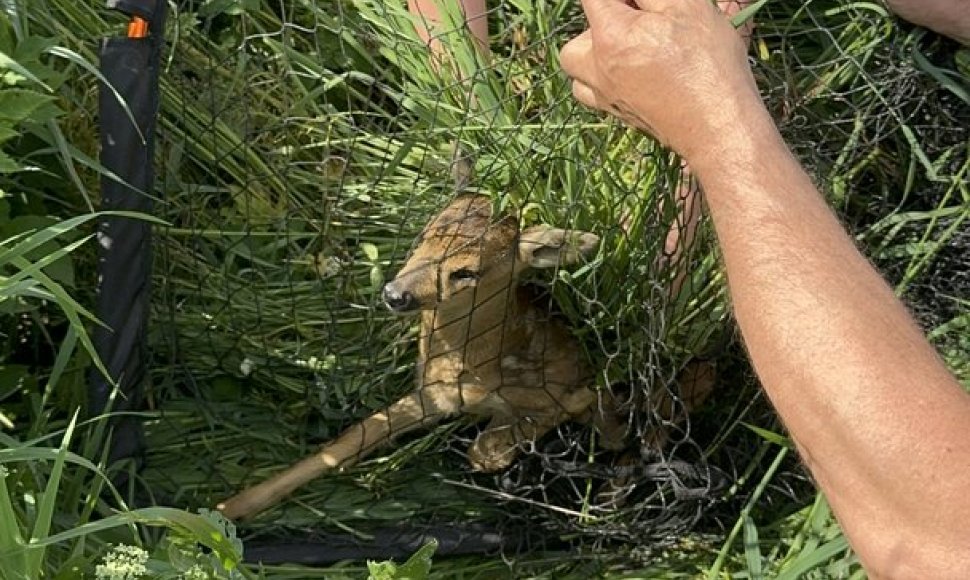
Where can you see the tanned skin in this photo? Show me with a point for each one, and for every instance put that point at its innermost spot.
(949, 17)
(878, 419)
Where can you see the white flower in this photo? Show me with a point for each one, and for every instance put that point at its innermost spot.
(195, 573)
(123, 563)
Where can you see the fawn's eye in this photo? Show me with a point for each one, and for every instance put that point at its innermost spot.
(463, 275)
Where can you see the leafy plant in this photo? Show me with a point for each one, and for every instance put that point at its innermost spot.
(54, 494)
(41, 537)
(416, 567)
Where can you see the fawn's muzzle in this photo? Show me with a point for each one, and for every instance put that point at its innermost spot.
(398, 300)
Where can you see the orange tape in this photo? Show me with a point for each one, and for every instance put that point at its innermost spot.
(138, 27)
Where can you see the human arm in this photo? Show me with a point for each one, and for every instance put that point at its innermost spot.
(428, 17)
(949, 17)
(877, 418)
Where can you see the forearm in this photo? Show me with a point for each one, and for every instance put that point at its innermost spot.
(949, 17)
(878, 419)
(428, 13)
(876, 416)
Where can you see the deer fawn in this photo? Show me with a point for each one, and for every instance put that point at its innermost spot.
(486, 349)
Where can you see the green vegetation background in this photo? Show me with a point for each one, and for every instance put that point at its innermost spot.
(302, 145)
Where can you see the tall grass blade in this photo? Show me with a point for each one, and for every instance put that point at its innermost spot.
(48, 502)
(64, 354)
(12, 543)
(811, 560)
(722, 556)
(8, 63)
(752, 550)
(31, 269)
(747, 13)
(75, 58)
(31, 241)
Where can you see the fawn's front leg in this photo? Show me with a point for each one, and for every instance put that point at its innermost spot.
(425, 406)
(497, 446)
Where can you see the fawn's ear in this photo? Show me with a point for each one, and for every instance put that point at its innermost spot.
(548, 247)
(462, 168)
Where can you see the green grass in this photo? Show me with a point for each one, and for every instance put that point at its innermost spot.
(60, 515)
(295, 168)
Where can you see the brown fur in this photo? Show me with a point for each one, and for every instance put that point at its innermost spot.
(486, 349)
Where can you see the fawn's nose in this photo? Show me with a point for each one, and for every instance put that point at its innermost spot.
(398, 300)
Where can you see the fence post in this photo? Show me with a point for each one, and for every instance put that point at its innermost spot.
(129, 101)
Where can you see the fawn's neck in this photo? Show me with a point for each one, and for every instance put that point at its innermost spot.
(466, 340)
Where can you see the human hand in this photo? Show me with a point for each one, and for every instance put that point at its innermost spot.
(675, 68)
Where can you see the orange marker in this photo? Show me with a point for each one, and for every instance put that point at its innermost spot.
(138, 27)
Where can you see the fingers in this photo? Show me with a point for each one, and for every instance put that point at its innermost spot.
(576, 58)
(585, 95)
(730, 8)
(599, 12)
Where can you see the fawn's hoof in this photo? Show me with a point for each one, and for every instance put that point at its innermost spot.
(493, 451)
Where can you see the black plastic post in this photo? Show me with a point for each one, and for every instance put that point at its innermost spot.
(130, 66)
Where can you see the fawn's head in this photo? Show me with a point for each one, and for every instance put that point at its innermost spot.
(465, 257)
